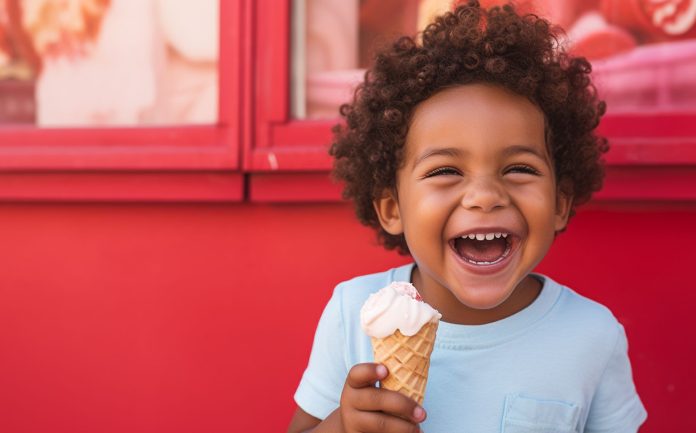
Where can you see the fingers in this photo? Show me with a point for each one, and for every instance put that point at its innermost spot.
(366, 408)
(363, 375)
(379, 422)
(390, 402)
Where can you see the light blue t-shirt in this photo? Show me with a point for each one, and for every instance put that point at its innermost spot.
(558, 366)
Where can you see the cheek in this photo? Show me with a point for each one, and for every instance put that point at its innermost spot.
(538, 204)
(425, 216)
(433, 202)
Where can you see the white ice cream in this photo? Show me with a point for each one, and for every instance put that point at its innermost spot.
(397, 306)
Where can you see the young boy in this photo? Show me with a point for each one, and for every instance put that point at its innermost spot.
(469, 151)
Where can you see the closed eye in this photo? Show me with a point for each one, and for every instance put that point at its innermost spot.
(523, 169)
(442, 171)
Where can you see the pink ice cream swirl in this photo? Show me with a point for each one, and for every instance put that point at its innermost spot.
(397, 306)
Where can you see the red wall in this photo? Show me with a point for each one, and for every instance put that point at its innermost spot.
(183, 318)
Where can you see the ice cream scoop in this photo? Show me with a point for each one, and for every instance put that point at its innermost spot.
(397, 306)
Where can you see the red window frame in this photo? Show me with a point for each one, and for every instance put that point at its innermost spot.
(287, 159)
(653, 156)
(166, 163)
(256, 141)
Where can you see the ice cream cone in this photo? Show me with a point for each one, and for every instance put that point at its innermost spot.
(407, 358)
(402, 328)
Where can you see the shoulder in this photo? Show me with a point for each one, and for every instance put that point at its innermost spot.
(351, 294)
(586, 322)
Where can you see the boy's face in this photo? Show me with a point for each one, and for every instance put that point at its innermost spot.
(476, 165)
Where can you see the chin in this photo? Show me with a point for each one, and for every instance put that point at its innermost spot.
(482, 298)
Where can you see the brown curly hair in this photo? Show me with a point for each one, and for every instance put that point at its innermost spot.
(469, 45)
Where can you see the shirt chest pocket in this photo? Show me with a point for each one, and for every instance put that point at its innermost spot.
(532, 415)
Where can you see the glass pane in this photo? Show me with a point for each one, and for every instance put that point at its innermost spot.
(334, 41)
(643, 51)
(97, 63)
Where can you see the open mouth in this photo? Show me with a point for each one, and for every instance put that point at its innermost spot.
(483, 249)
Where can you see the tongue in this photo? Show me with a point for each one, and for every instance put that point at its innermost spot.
(481, 251)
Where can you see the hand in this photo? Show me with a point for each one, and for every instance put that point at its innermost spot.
(367, 409)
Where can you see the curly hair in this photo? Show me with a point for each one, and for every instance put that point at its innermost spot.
(521, 53)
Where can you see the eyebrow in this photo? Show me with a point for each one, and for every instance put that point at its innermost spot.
(455, 152)
(521, 148)
(440, 151)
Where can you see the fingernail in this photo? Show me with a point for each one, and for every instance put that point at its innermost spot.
(418, 413)
(381, 370)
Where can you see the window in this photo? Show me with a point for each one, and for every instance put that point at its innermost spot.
(247, 104)
(643, 54)
(114, 97)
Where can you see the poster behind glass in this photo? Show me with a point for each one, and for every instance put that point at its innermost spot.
(643, 51)
(100, 63)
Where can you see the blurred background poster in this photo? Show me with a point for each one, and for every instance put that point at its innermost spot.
(643, 51)
(82, 63)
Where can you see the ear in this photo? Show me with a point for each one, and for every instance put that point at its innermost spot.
(387, 209)
(564, 204)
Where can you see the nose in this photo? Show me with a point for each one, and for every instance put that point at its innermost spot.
(485, 193)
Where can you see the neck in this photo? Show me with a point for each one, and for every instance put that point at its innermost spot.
(453, 311)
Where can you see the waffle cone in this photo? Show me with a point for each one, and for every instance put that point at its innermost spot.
(407, 359)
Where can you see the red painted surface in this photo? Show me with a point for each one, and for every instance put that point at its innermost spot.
(111, 186)
(181, 147)
(182, 318)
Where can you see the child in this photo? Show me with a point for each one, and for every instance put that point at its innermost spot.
(469, 151)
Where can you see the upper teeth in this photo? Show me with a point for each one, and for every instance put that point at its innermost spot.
(485, 236)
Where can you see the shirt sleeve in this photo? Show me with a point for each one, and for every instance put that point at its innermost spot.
(321, 385)
(616, 407)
